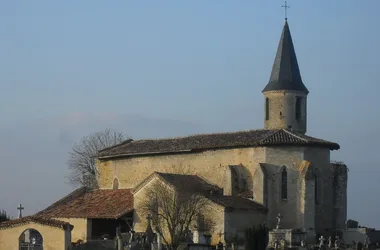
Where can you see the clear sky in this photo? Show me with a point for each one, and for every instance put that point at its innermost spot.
(159, 68)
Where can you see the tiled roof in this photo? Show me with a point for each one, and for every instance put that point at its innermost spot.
(38, 220)
(193, 183)
(95, 204)
(190, 182)
(238, 202)
(196, 143)
(248, 194)
(182, 182)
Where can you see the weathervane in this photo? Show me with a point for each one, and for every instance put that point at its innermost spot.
(286, 7)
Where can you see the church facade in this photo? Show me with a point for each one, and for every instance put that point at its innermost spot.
(277, 169)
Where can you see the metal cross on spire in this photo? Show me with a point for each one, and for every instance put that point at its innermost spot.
(286, 7)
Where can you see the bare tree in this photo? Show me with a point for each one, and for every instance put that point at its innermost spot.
(173, 212)
(82, 156)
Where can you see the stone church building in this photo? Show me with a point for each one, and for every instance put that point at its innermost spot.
(249, 176)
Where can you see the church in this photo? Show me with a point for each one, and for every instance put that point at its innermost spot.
(250, 176)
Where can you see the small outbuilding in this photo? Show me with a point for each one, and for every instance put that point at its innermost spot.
(37, 232)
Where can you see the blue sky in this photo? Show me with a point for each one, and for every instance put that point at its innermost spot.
(191, 66)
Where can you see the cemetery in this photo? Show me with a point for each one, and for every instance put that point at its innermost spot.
(270, 188)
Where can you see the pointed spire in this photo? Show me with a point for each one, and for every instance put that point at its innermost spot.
(285, 72)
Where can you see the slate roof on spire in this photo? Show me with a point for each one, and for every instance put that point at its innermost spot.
(285, 72)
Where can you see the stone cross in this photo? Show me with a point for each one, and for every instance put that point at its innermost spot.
(20, 208)
(278, 220)
(359, 246)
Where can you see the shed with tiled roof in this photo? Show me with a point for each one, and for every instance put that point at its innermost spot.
(93, 212)
(92, 204)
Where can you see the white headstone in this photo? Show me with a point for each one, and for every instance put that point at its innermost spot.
(198, 237)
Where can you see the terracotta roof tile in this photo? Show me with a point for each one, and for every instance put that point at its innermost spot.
(195, 143)
(99, 203)
(36, 219)
(193, 183)
(238, 202)
(248, 194)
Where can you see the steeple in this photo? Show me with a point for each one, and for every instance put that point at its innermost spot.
(285, 71)
(285, 94)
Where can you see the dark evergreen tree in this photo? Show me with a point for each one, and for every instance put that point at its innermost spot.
(3, 216)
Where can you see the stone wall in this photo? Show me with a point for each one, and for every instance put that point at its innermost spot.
(306, 198)
(282, 110)
(210, 165)
(81, 230)
(290, 158)
(320, 159)
(236, 221)
(261, 187)
(212, 212)
(339, 194)
(139, 216)
(215, 167)
(53, 238)
(216, 215)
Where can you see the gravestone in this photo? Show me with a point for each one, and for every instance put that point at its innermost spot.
(359, 245)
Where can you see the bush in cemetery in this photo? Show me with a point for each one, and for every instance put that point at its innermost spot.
(256, 238)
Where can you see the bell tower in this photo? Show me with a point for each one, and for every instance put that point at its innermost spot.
(285, 96)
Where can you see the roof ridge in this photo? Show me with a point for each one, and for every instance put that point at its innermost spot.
(222, 140)
(36, 219)
(274, 132)
(78, 190)
(295, 135)
(129, 140)
(202, 134)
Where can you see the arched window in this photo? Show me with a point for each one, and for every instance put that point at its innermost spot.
(316, 189)
(298, 108)
(284, 184)
(115, 184)
(31, 239)
(267, 108)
